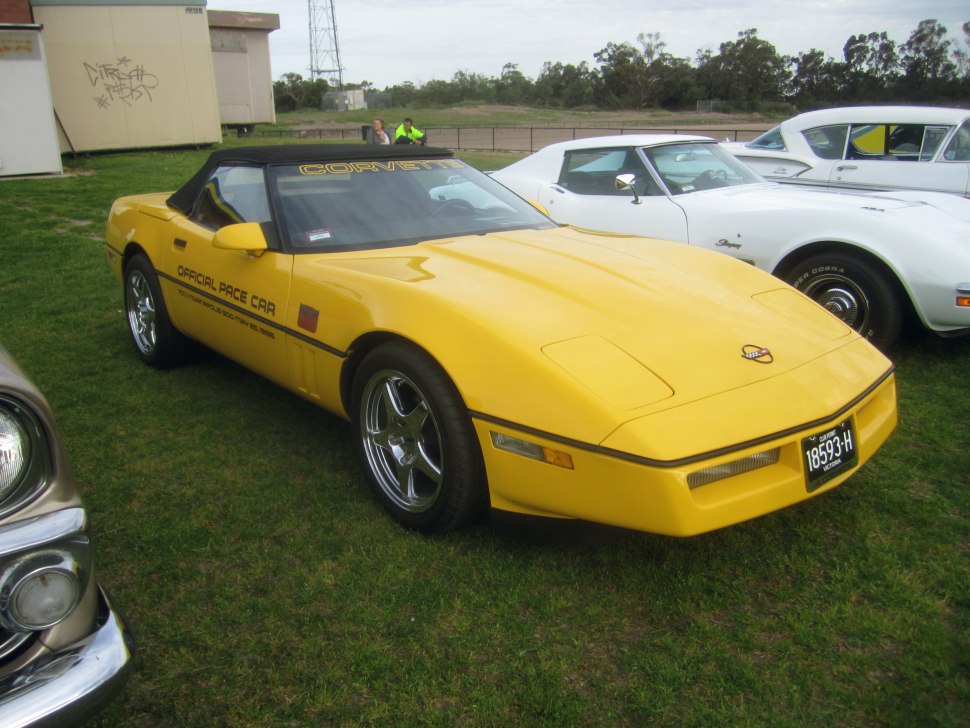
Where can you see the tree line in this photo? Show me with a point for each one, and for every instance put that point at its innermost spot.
(747, 74)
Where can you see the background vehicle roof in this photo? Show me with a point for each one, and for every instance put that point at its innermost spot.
(628, 140)
(183, 198)
(876, 114)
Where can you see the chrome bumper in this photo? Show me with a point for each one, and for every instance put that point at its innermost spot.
(75, 682)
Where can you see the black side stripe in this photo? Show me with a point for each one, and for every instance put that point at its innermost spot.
(641, 460)
(249, 314)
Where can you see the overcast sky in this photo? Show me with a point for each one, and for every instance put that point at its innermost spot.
(391, 41)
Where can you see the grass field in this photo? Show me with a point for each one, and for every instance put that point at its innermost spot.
(266, 587)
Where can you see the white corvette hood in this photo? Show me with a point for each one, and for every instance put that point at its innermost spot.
(777, 212)
(771, 195)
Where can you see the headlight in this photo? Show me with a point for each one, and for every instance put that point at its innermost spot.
(14, 453)
(23, 454)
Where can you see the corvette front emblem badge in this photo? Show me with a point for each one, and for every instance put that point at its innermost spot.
(759, 354)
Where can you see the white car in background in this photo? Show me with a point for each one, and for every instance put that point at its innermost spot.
(867, 147)
(869, 259)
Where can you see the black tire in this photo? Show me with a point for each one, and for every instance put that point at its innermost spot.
(856, 290)
(155, 339)
(416, 440)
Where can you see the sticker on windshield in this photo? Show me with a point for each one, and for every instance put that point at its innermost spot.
(315, 236)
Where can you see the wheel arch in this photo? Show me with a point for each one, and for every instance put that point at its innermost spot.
(358, 351)
(784, 267)
(132, 249)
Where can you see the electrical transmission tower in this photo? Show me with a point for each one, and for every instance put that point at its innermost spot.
(324, 51)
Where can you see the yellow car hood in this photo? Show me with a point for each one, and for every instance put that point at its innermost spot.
(575, 334)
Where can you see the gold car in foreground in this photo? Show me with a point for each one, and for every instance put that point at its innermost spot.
(489, 357)
(65, 650)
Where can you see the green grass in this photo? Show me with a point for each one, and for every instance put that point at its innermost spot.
(266, 587)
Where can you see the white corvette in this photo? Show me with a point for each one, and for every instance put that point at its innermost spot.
(867, 147)
(869, 259)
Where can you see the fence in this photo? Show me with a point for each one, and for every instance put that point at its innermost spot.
(513, 138)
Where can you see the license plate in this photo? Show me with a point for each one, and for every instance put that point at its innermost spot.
(829, 453)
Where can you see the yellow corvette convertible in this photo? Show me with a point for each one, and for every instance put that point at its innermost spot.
(489, 357)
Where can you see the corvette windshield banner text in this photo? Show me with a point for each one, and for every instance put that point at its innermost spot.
(409, 165)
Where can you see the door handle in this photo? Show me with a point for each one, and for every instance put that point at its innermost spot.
(845, 166)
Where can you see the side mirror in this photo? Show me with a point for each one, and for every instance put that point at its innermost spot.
(625, 182)
(247, 237)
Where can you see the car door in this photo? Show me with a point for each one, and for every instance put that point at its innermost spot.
(585, 196)
(233, 301)
(887, 175)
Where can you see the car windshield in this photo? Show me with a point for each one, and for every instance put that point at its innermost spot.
(698, 166)
(771, 140)
(348, 205)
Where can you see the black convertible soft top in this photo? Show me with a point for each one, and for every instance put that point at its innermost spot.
(184, 198)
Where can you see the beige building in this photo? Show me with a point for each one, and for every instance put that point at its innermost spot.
(130, 73)
(89, 75)
(240, 58)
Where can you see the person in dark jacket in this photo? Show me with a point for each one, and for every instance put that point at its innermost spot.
(378, 134)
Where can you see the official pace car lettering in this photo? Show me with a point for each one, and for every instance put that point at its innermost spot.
(228, 313)
(229, 291)
(408, 165)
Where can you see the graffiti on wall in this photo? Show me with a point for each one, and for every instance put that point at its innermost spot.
(123, 81)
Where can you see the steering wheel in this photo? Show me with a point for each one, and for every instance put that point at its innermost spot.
(454, 206)
(709, 179)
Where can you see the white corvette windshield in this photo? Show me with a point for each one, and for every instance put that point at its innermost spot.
(696, 166)
(368, 204)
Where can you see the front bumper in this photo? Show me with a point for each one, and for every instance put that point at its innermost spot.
(73, 683)
(604, 488)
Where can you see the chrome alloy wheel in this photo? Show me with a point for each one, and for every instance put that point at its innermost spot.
(401, 441)
(842, 297)
(140, 307)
